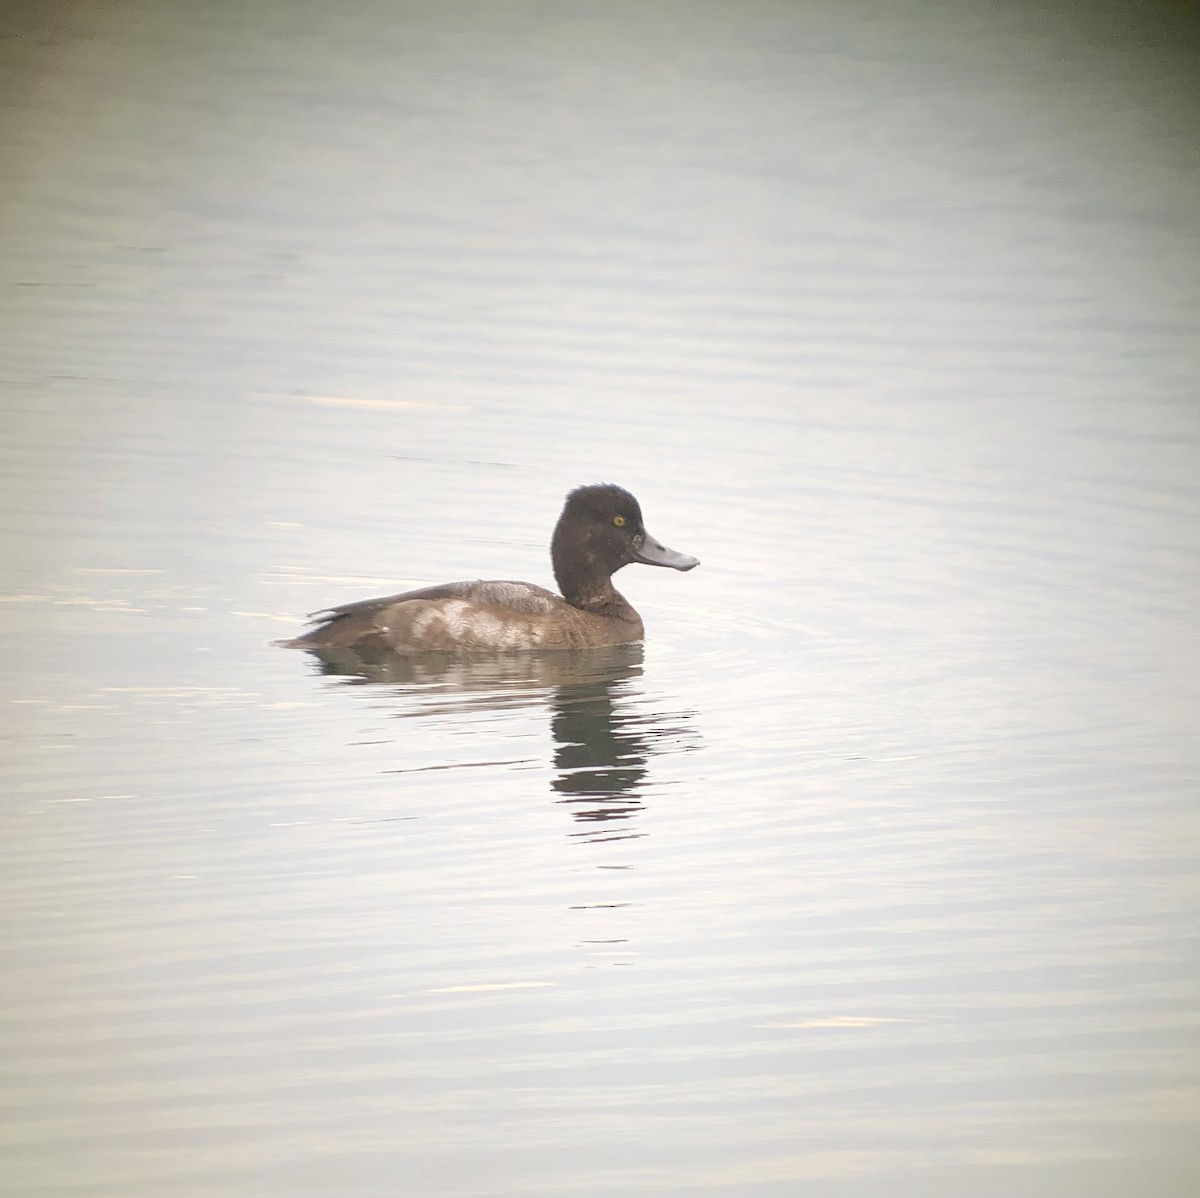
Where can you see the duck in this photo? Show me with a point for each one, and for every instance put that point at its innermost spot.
(600, 531)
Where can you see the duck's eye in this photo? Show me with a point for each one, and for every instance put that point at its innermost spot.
(619, 521)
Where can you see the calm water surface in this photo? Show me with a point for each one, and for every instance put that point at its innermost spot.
(874, 872)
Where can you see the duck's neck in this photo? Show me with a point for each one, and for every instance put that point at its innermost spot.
(603, 598)
(581, 587)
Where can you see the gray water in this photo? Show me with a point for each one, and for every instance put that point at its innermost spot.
(874, 872)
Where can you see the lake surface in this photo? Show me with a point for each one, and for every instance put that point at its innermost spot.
(875, 871)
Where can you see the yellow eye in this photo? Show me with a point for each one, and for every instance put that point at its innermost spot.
(619, 521)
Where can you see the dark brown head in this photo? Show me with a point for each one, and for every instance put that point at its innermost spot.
(601, 530)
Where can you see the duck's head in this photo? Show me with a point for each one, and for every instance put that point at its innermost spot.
(601, 530)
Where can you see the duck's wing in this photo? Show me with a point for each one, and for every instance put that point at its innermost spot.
(500, 595)
(367, 608)
(519, 596)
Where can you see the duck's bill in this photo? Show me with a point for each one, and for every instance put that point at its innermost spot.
(654, 553)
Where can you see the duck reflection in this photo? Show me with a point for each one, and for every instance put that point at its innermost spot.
(604, 737)
(601, 747)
